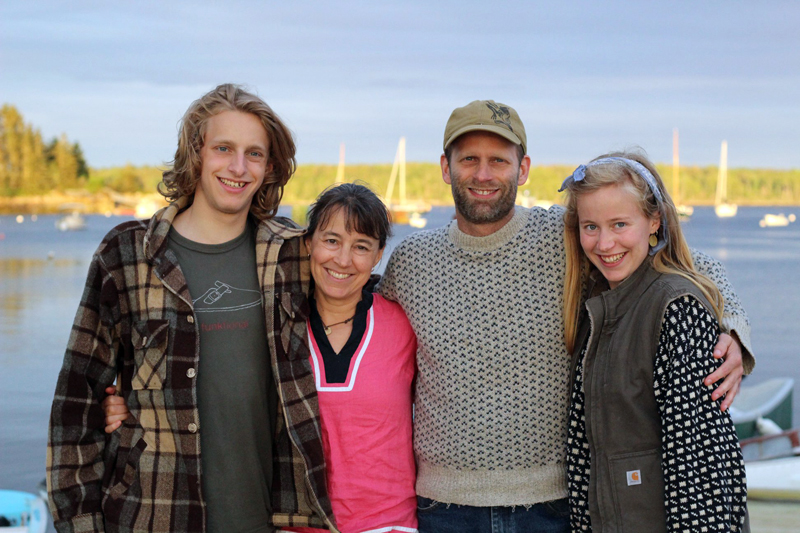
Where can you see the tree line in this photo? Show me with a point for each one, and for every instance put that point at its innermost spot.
(29, 165)
(746, 186)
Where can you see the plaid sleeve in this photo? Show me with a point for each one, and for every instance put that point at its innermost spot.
(387, 287)
(76, 441)
(734, 318)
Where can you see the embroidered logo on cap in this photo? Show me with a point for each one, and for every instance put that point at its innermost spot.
(634, 477)
(500, 114)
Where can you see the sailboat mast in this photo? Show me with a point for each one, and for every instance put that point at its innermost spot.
(395, 167)
(401, 151)
(676, 165)
(340, 169)
(722, 178)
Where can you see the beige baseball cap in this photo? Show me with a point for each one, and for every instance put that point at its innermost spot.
(486, 115)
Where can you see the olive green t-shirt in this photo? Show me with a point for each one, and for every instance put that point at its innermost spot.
(236, 393)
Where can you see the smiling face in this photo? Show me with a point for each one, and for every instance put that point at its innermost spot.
(614, 231)
(484, 172)
(235, 159)
(341, 261)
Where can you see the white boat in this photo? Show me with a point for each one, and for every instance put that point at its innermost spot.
(772, 454)
(774, 444)
(415, 220)
(684, 211)
(403, 210)
(771, 399)
(21, 512)
(74, 221)
(722, 208)
(778, 479)
(779, 220)
(525, 199)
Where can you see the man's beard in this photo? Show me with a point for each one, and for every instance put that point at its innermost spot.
(476, 212)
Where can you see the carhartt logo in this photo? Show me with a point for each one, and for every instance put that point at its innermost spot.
(634, 477)
(500, 114)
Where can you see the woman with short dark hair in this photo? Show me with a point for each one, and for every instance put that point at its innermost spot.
(362, 354)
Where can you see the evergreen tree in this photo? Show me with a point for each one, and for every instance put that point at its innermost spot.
(83, 169)
(12, 131)
(35, 178)
(66, 165)
(128, 180)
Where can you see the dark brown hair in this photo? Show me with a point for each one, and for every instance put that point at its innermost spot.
(363, 211)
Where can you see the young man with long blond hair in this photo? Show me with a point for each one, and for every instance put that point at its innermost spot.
(195, 315)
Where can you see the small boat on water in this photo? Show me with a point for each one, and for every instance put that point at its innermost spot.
(778, 479)
(685, 212)
(21, 512)
(769, 400)
(779, 220)
(72, 218)
(415, 220)
(404, 211)
(526, 200)
(722, 208)
(74, 221)
(762, 415)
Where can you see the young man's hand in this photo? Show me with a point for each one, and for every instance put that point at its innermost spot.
(731, 370)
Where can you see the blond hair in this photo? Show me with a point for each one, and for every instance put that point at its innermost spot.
(181, 180)
(673, 258)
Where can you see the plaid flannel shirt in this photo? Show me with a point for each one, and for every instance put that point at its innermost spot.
(136, 324)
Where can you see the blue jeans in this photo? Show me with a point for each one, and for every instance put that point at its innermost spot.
(437, 517)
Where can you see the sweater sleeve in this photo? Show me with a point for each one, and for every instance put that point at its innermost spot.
(734, 318)
(76, 439)
(704, 478)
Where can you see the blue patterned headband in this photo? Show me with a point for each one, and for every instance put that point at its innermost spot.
(642, 172)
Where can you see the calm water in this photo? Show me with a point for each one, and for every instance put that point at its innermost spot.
(42, 273)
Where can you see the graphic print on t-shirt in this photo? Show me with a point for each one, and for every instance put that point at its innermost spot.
(223, 297)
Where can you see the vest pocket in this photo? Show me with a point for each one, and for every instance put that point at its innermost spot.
(637, 483)
(149, 339)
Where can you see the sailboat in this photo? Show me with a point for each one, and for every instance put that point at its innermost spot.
(72, 218)
(404, 211)
(721, 205)
(684, 211)
(340, 168)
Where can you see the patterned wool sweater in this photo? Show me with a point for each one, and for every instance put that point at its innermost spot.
(493, 370)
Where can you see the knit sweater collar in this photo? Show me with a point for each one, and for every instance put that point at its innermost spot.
(489, 242)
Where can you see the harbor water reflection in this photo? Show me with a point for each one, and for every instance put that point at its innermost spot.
(42, 272)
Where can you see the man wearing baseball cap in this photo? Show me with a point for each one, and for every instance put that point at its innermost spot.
(484, 296)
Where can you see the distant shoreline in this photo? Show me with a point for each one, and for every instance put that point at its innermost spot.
(746, 187)
(83, 201)
(125, 204)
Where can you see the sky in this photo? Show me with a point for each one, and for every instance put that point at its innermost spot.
(586, 77)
